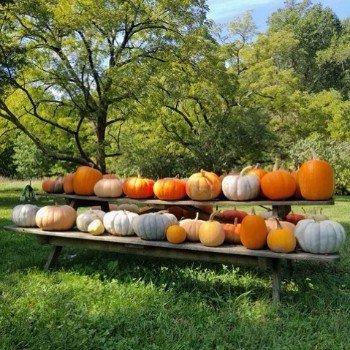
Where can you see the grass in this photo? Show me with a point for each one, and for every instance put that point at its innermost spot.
(98, 300)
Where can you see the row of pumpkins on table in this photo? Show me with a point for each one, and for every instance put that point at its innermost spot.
(313, 181)
(315, 233)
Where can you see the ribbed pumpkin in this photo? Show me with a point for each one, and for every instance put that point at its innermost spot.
(96, 227)
(84, 180)
(232, 232)
(258, 171)
(281, 239)
(138, 187)
(175, 234)
(23, 215)
(108, 188)
(170, 189)
(230, 215)
(273, 224)
(211, 233)
(253, 232)
(86, 218)
(120, 223)
(278, 184)
(53, 186)
(316, 179)
(68, 183)
(56, 218)
(203, 186)
(191, 227)
(297, 193)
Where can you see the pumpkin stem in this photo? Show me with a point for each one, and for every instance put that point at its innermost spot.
(213, 215)
(235, 222)
(278, 223)
(257, 166)
(252, 211)
(162, 212)
(275, 167)
(245, 170)
(197, 216)
(313, 154)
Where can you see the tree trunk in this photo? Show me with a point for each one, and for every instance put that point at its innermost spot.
(101, 145)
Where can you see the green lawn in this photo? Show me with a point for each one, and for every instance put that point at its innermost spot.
(97, 300)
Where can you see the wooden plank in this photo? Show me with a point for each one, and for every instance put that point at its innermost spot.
(53, 257)
(194, 247)
(276, 279)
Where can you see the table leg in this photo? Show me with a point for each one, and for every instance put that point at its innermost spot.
(276, 280)
(53, 257)
(281, 211)
(105, 207)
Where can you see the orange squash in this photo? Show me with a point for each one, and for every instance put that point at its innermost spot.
(211, 233)
(170, 189)
(281, 240)
(278, 184)
(68, 183)
(258, 171)
(138, 187)
(85, 179)
(203, 186)
(53, 186)
(297, 193)
(316, 179)
(232, 232)
(253, 232)
(175, 234)
(47, 185)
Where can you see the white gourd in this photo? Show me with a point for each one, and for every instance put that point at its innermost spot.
(119, 222)
(96, 227)
(84, 219)
(24, 215)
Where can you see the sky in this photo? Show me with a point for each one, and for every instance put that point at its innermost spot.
(222, 11)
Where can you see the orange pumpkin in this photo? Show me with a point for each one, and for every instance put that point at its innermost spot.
(258, 171)
(68, 183)
(85, 179)
(232, 232)
(297, 193)
(211, 233)
(175, 234)
(138, 187)
(271, 224)
(170, 189)
(47, 185)
(281, 240)
(53, 186)
(253, 232)
(316, 179)
(203, 186)
(278, 184)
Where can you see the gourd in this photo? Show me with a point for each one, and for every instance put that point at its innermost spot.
(203, 186)
(191, 227)
(53, 186)
(273, 224)
(253, 231)
(23, 215)
(320, 237)
(281, 239)
(294, 218)
(175, 234)
(56, 218)
(316, 179)
(297, 193)
(85, 179)
(120, 222)
(232, 232)
(86, 218)
(241, 187)
(108, 188)
(96, 227)
(258, 171)
(138, 187)
(230, 215)
(211, 233)
(278, 184)
(170, 189)
(153, 226)
(68, 183)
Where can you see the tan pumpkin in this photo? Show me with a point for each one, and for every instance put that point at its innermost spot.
(68, 183)
(211, 233)
(112, 188)
(191, 227)
(271, 224)
(203, 186)
(56, 218)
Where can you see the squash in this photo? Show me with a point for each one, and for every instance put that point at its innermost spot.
(230, 215)
(203, 186)
(273, 224)
(258, 171)
(211, 233)
(253, 231)
(281, 239)
(170, 189)
(84, 219)
(138, 187)
(316, 179)
(191, 227)
(23, 215)
(85, 179)
(108, 188)
(294, 218)
(175, 234)
(47, 185)
(278, 184)
(153, 226)
(241, 187)
(56, 218)
(320, 237)
(120, 223)
(53, 186)
(68, 183)
(297, 193)
(96, 227)
(232, 232)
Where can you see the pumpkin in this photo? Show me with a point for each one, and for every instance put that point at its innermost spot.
(253, 231)
(211, 233)
(281, 239)
(230, 215)
(297, 193)
(68, 183)
(24, 215)
(273, 224)
(320, 237)
(110, 176)
(241, 187)
(203, 186)
(316, 179)
(294, 218)
(232, 232)
(153, 226)
(85, 179)
(47, 185)
(96, 227)
(258, 171)
(170, 189)
(56, 218)
(191, 227)
(187, 212)
(175, 234)
(120, 222)
(278, 184)
(86, 218)
(53, 186)
(138, 187)
(108, 188)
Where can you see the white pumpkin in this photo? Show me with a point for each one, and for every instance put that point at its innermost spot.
(85, 219)
(241, 187)
(119, 222)
(96, 227)
(191, 227)
(320, 237)
(109, 188)
(24, 215)
(129, 207)
(152, 226)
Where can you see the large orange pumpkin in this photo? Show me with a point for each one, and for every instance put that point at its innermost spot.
(138, 187)
(297, 193)
(211, 233)
(85, 179)
(278, 184)
(253, 232)
(316, 179)
(258, 171)
(170, 189)
(232, 232)
(68, 183)
(281, 240)
(203, 186)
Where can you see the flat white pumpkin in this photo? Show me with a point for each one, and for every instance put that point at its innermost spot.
(24, 215)
(84, 219)
(119, 222)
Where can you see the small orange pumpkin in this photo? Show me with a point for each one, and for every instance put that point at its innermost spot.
(203, 186)
(211, 233)
(85, 179)
(281, 240)
(175, 234)
(138, 187)
(232, 232)
(258, 171)
(68, 183)
(170, 189)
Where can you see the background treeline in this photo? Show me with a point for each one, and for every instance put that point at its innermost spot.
(156, 88)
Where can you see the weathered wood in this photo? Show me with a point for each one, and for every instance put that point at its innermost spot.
(276, 279)
(53, 256)
(281, 211)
